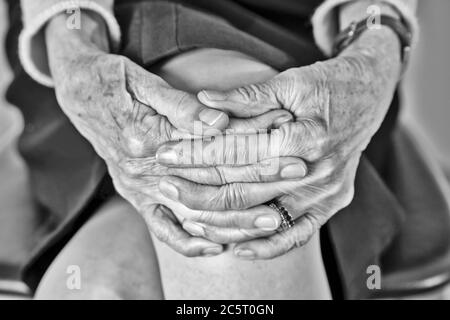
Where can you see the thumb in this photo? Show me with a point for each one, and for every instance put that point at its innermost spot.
(269, 120)
(244, 102)
(182, 109)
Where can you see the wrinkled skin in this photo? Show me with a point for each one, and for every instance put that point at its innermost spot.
(126, 113)
(107, 98)
(338, 105)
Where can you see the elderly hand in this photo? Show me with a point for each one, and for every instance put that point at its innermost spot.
(338, 105)
(126, 112)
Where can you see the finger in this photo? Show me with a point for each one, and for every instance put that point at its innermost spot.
(261, 217)
(162, 222)
(223, 235)
(268, 120)
(271, 170)
(182, 109)
(229, 149)
(302, 139)
(247, 101)
(280, 243)
(234, 196)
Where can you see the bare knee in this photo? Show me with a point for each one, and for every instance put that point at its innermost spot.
(87, 291)
(213, 69)
(111, 257)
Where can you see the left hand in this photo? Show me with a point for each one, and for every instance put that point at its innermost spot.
(338, 105)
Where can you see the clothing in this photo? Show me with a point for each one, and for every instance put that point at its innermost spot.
(70, 181)
(325, 16)
(37, 13)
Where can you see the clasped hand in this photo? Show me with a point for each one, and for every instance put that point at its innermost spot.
(319, 119)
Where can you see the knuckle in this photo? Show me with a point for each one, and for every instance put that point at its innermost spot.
(205, 216)
(264, 91)
(286, 243)
(131, 168)
(247, 93)
(235, 219)
(134, 145)
(254, 173)
(279, 246)
(255, 92)
(212, 234)
(299, 139)
(315, 138)
(219, 176)
(232, 196)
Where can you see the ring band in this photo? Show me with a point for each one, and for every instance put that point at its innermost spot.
(287, 221)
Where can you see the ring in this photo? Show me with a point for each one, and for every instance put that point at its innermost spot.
(287, 221)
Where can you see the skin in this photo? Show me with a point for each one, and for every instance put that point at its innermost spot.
(131, 270)
(136, 270)
(126, 113)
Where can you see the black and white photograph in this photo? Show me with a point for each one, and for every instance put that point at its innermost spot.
(225, 155)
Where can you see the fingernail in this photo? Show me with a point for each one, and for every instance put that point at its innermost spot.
(211, 95)
(167, 156)
(282, 120)
(194, 228)
(169, 190)
(210, 116)
(212, 251)
(245, 253)
(266, 223)
(293, 171)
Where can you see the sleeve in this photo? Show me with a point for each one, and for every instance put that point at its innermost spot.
(324, 24)
(35, 14)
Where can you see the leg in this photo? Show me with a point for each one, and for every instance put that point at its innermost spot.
(115, 256)
(297, 275)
